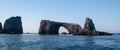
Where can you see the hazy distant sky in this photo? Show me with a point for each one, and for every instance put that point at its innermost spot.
(105, 13)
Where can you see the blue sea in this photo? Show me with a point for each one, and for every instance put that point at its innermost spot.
(58, 42)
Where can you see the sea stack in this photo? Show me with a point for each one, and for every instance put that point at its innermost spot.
(13, 25)
(89, 25)
(89, 29)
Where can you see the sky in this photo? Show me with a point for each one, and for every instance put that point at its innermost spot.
(104, 13)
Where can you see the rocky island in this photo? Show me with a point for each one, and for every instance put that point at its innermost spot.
(48, 27)
(12, 25)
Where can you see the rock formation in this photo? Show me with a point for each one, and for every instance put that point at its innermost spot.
(89, 25)
(0, 27)
(89, 29)
(13, 25)
(48, 27)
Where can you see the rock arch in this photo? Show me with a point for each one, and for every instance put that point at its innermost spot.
(63, 30)
(48, 27)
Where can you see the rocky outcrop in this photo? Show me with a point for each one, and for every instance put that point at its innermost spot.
(89, 25)
(0, 27)
(48, 27)
(89, 29)
(13, 25)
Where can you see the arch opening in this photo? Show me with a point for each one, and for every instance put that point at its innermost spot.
(63, 31)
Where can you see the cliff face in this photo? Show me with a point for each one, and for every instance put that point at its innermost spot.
(13, 25)
(51, 27)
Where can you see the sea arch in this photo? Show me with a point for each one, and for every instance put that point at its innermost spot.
(48, 27)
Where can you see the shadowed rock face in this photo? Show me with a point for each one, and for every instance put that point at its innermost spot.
(51, 27)
(13, 25)
(0, 27)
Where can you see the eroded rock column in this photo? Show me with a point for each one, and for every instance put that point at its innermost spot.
(13, 25)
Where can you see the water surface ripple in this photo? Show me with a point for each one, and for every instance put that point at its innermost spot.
(54, 42)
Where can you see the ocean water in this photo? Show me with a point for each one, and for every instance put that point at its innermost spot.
(58, 42)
